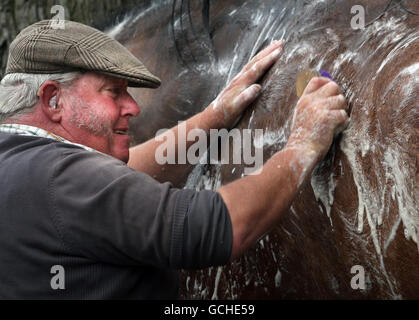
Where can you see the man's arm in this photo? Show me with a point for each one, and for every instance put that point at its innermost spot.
(221, 113)
(257, 202)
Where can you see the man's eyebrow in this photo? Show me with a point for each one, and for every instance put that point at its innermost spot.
(102, 82)
(107, 80)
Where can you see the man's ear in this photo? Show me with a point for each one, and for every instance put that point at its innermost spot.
(48, 97)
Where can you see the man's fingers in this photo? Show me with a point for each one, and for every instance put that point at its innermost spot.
(315, 84)
(273, 51)
(341, 120)
(330, 89)
(340, 116)
(259, 68)
(265, 52)
(247, 96)
(337, 102)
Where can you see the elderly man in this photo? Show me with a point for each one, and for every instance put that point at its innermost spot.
(76, 199)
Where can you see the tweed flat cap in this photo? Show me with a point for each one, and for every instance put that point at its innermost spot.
(40, 48)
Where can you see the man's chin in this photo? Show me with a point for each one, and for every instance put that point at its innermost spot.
(121, 145)
(124, 158)
(121, 154)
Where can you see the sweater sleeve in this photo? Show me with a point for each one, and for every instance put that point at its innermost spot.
(105, 211)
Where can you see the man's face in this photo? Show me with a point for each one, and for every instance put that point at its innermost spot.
(96, 114)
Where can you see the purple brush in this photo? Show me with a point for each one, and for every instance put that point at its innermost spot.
(326, 74)
(305, 76)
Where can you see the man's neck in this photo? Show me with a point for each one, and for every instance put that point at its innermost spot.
(31, 130)
(34, 119)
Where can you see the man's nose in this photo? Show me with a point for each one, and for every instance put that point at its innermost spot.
(128, 106)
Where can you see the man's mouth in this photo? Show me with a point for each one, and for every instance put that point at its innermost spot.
(121, 131)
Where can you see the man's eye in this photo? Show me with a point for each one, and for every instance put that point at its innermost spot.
(115, 91)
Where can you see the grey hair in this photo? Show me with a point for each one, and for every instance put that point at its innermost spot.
(19, 91)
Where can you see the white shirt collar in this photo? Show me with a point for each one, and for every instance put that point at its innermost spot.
(26, 130)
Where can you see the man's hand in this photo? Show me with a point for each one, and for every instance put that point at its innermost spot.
(243, 90)
(222, 113)
(320, 114)
(256, 202)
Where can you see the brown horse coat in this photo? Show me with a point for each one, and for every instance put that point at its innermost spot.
(361, 206)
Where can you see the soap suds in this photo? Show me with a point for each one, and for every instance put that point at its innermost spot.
(324, 191)
(278, 278)
(217, 282)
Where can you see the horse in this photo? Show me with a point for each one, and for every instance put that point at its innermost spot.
(353, 230)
